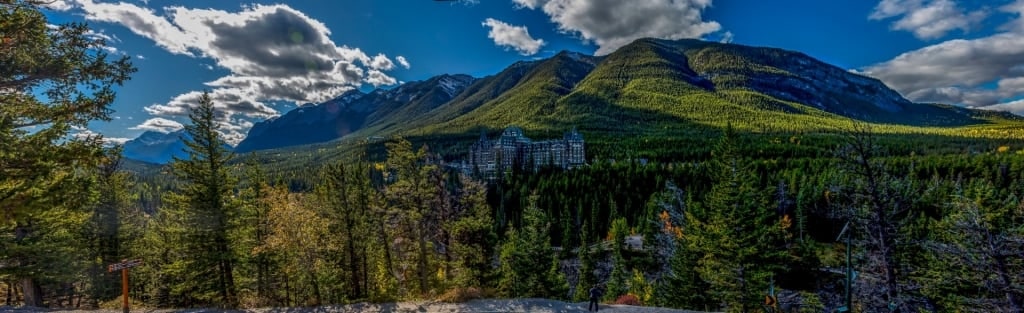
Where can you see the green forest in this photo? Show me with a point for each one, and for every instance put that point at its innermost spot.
(925, 224)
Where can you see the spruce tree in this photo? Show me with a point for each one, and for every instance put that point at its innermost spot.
(205, 199)
(528, 264)
(585, 278)
(738, 236)
(618, 282)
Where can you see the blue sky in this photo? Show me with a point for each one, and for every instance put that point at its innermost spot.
(260, 59)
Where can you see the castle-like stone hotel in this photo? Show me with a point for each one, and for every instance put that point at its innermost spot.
(514, 149)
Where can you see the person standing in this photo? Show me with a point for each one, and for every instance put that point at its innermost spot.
(595, 295)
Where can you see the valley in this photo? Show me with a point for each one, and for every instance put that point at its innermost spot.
(671, 170)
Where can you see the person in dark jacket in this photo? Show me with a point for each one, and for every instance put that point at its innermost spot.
(595, 294)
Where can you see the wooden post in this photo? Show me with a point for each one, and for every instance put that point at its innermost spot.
(124, 266)
(124, 290)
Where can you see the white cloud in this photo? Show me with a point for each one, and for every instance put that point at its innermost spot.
(960, 71)
(615, 23)
(381, 62)
(1015, 107)
(272, 53)
(92, 34)
(726, 37)
(377, 78)
(142, 21)
(58, 5)
(159, 124)
(140, 57)
(84, 134)
(516, 37)
(927, 19)
(115, 140)
(402, 61)
(529, 4)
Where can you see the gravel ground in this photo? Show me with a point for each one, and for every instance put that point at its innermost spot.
(475, 306)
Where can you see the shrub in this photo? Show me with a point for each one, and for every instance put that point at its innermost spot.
(628, 299)
(458, 295)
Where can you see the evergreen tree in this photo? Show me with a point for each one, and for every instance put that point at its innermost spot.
(618, 282)
(472, 235)
(253, 228)
(108, 230)
(207, 207)
(680, 285)
(586, 278)
(738, 236)
(528, 264)
(412, 195)
(976, 263)
(51, 81)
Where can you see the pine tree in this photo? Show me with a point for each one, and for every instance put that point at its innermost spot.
(412, 195)
(472, 235)
(51, 81)
(253, 228)
(207, 206)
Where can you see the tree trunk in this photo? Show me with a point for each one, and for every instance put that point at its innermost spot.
(10, 293)
(422, 263)
(31, 292)
(316, 287)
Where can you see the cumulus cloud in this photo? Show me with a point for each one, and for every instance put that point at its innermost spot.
(159, 124)
(927, 19)
(402, 61)
(516, 37)
(142, 21)
(381, 62)
(963, 71)
(272, 53)
(58, 5)
(615, 23)
(377, 78)
(84, 134)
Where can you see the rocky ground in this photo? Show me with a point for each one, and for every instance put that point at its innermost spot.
(475, 306)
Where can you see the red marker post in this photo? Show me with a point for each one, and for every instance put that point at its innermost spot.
(123, 267)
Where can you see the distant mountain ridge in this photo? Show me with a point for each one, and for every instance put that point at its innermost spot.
(156, 147)
(351, 111)
(652, 86)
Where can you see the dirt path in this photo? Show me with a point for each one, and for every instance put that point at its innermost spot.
(476, 306)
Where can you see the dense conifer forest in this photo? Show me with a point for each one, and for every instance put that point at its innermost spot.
(934, 223)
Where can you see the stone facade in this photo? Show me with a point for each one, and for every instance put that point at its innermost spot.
(512, 148)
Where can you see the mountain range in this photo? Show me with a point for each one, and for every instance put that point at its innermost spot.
(650, 87)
